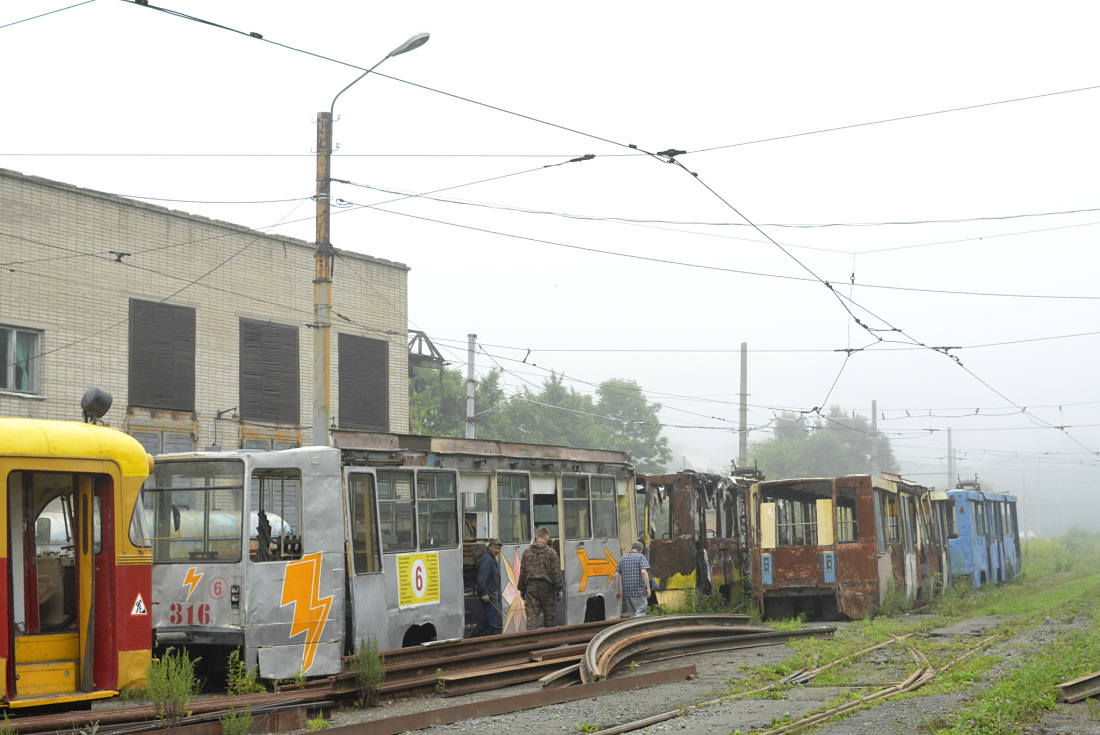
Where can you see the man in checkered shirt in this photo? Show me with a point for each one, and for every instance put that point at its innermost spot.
(633, 573)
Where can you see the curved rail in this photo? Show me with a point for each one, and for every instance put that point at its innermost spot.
(613, 636)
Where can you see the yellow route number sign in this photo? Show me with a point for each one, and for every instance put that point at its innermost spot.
(418, 579)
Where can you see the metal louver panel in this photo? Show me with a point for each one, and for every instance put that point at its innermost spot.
(268, 372)
(364, 383)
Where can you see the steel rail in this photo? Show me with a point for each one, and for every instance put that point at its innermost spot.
(803, 676)
(590, 670)
(515, 703)
(627, 645)
(1080, 688)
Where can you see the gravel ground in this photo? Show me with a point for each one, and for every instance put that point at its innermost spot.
(911, 716)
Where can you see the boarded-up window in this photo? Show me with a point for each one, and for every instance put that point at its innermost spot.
(269, 379)
(162, 356)
(364, 383)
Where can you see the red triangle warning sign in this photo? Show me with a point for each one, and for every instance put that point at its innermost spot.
(139, 606)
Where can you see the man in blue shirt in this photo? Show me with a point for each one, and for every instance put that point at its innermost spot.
(633, 574)
(488, 587)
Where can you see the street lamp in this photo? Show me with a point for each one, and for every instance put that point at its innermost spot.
(323, 256)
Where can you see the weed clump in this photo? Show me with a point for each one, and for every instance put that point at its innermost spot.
(170, 683)
(236, 723)
(240, 679)
(369, 667)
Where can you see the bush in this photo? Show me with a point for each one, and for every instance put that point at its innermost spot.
(170, 683)
(236, 723)
(239, 679)
(369, 667)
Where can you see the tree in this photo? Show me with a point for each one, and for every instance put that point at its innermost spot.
(619, 417)
(633, 426)
(437, 402)
(834, 445)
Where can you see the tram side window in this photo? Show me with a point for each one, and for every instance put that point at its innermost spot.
(437, 510)
(890, 513)
(514, 508)
(951, 518)
(796, 522)
(605, 514)
(364, 529)
(880, 521)
(846, 530)
(275, 531)
(574, 492)
(979, 518)
(195, 510)
(395, 511)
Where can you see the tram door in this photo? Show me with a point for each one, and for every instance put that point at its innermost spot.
(55, 532)
(546, 514)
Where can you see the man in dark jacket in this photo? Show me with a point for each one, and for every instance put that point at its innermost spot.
(540, 581)
(488, 588)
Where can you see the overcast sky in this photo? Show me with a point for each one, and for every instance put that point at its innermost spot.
(627, 265)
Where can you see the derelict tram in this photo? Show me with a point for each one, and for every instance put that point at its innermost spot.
(79, 581)
(296, 555)
(981, 532)
(837, 545)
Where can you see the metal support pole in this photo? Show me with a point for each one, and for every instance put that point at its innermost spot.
(322, 287)
(743, 427)
(950, 462)
(874, 439)
(471, 384)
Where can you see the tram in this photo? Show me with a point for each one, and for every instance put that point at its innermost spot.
(295, 556)
(830, 546)
(78, 587)
(696, 532)
(982, 534)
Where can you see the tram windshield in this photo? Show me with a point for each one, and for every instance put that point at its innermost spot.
(194, 510)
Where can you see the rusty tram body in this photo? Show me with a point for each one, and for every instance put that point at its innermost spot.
(841, 546)
(695, 527)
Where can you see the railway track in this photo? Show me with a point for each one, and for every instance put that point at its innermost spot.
(462, 666)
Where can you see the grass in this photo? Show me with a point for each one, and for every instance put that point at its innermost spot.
(1059, 582)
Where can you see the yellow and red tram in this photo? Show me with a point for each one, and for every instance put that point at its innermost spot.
(79, 578)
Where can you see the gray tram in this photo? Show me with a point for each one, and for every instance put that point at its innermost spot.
(293, 556)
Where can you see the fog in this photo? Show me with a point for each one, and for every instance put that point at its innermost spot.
(974, 229)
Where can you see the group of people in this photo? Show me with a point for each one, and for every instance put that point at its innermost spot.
(541, 586)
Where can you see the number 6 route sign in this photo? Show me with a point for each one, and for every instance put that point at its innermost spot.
(417, 579)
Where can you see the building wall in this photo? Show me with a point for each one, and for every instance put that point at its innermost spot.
(58, 276)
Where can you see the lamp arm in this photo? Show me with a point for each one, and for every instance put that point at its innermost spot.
(332, 107)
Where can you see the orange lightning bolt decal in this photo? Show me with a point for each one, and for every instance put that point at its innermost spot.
(192, 581)
(302, 587)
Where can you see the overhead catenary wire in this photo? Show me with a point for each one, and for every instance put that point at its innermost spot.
(701, 266)
(43, 15)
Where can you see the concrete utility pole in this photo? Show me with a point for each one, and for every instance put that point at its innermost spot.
(950, 462)
(471, 384)
(743, 426)
(322, 260)
(874, 438)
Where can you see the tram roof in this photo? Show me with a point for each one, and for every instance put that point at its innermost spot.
(363, 440)
(40, 438)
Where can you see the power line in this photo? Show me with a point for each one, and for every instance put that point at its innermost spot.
(898, 119)
(703, 266)
(698, 223)
(43, 15)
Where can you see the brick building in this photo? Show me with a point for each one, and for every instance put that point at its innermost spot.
(200, 329)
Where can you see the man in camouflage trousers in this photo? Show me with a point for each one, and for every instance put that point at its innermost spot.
(540, 581)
